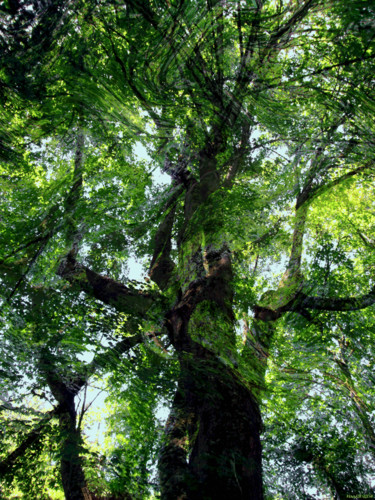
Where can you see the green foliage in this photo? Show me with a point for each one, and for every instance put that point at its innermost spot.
(254, 109)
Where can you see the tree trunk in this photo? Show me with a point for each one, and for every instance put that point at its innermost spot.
(174, 472)
(72, 474)
(216, 434)
(225, 458)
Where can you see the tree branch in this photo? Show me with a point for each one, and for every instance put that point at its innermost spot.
(311, 192)
(239, 156)
(331, 304)
(162, 265)
(32, 438)
(325, 187)
(342, 64)
(300, 302)
(124, 345)
(107, 290)
(297, 16)
(73, 234)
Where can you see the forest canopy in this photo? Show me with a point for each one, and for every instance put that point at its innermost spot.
(226, 148)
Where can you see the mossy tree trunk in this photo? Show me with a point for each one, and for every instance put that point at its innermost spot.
(213, 447)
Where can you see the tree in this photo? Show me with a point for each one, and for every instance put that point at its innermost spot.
(262, 242)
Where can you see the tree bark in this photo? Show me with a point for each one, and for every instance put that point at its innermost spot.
(217, 431)
(72, 474)
(71, 467)
(174, 473)
(109, 291)
(225, 458)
